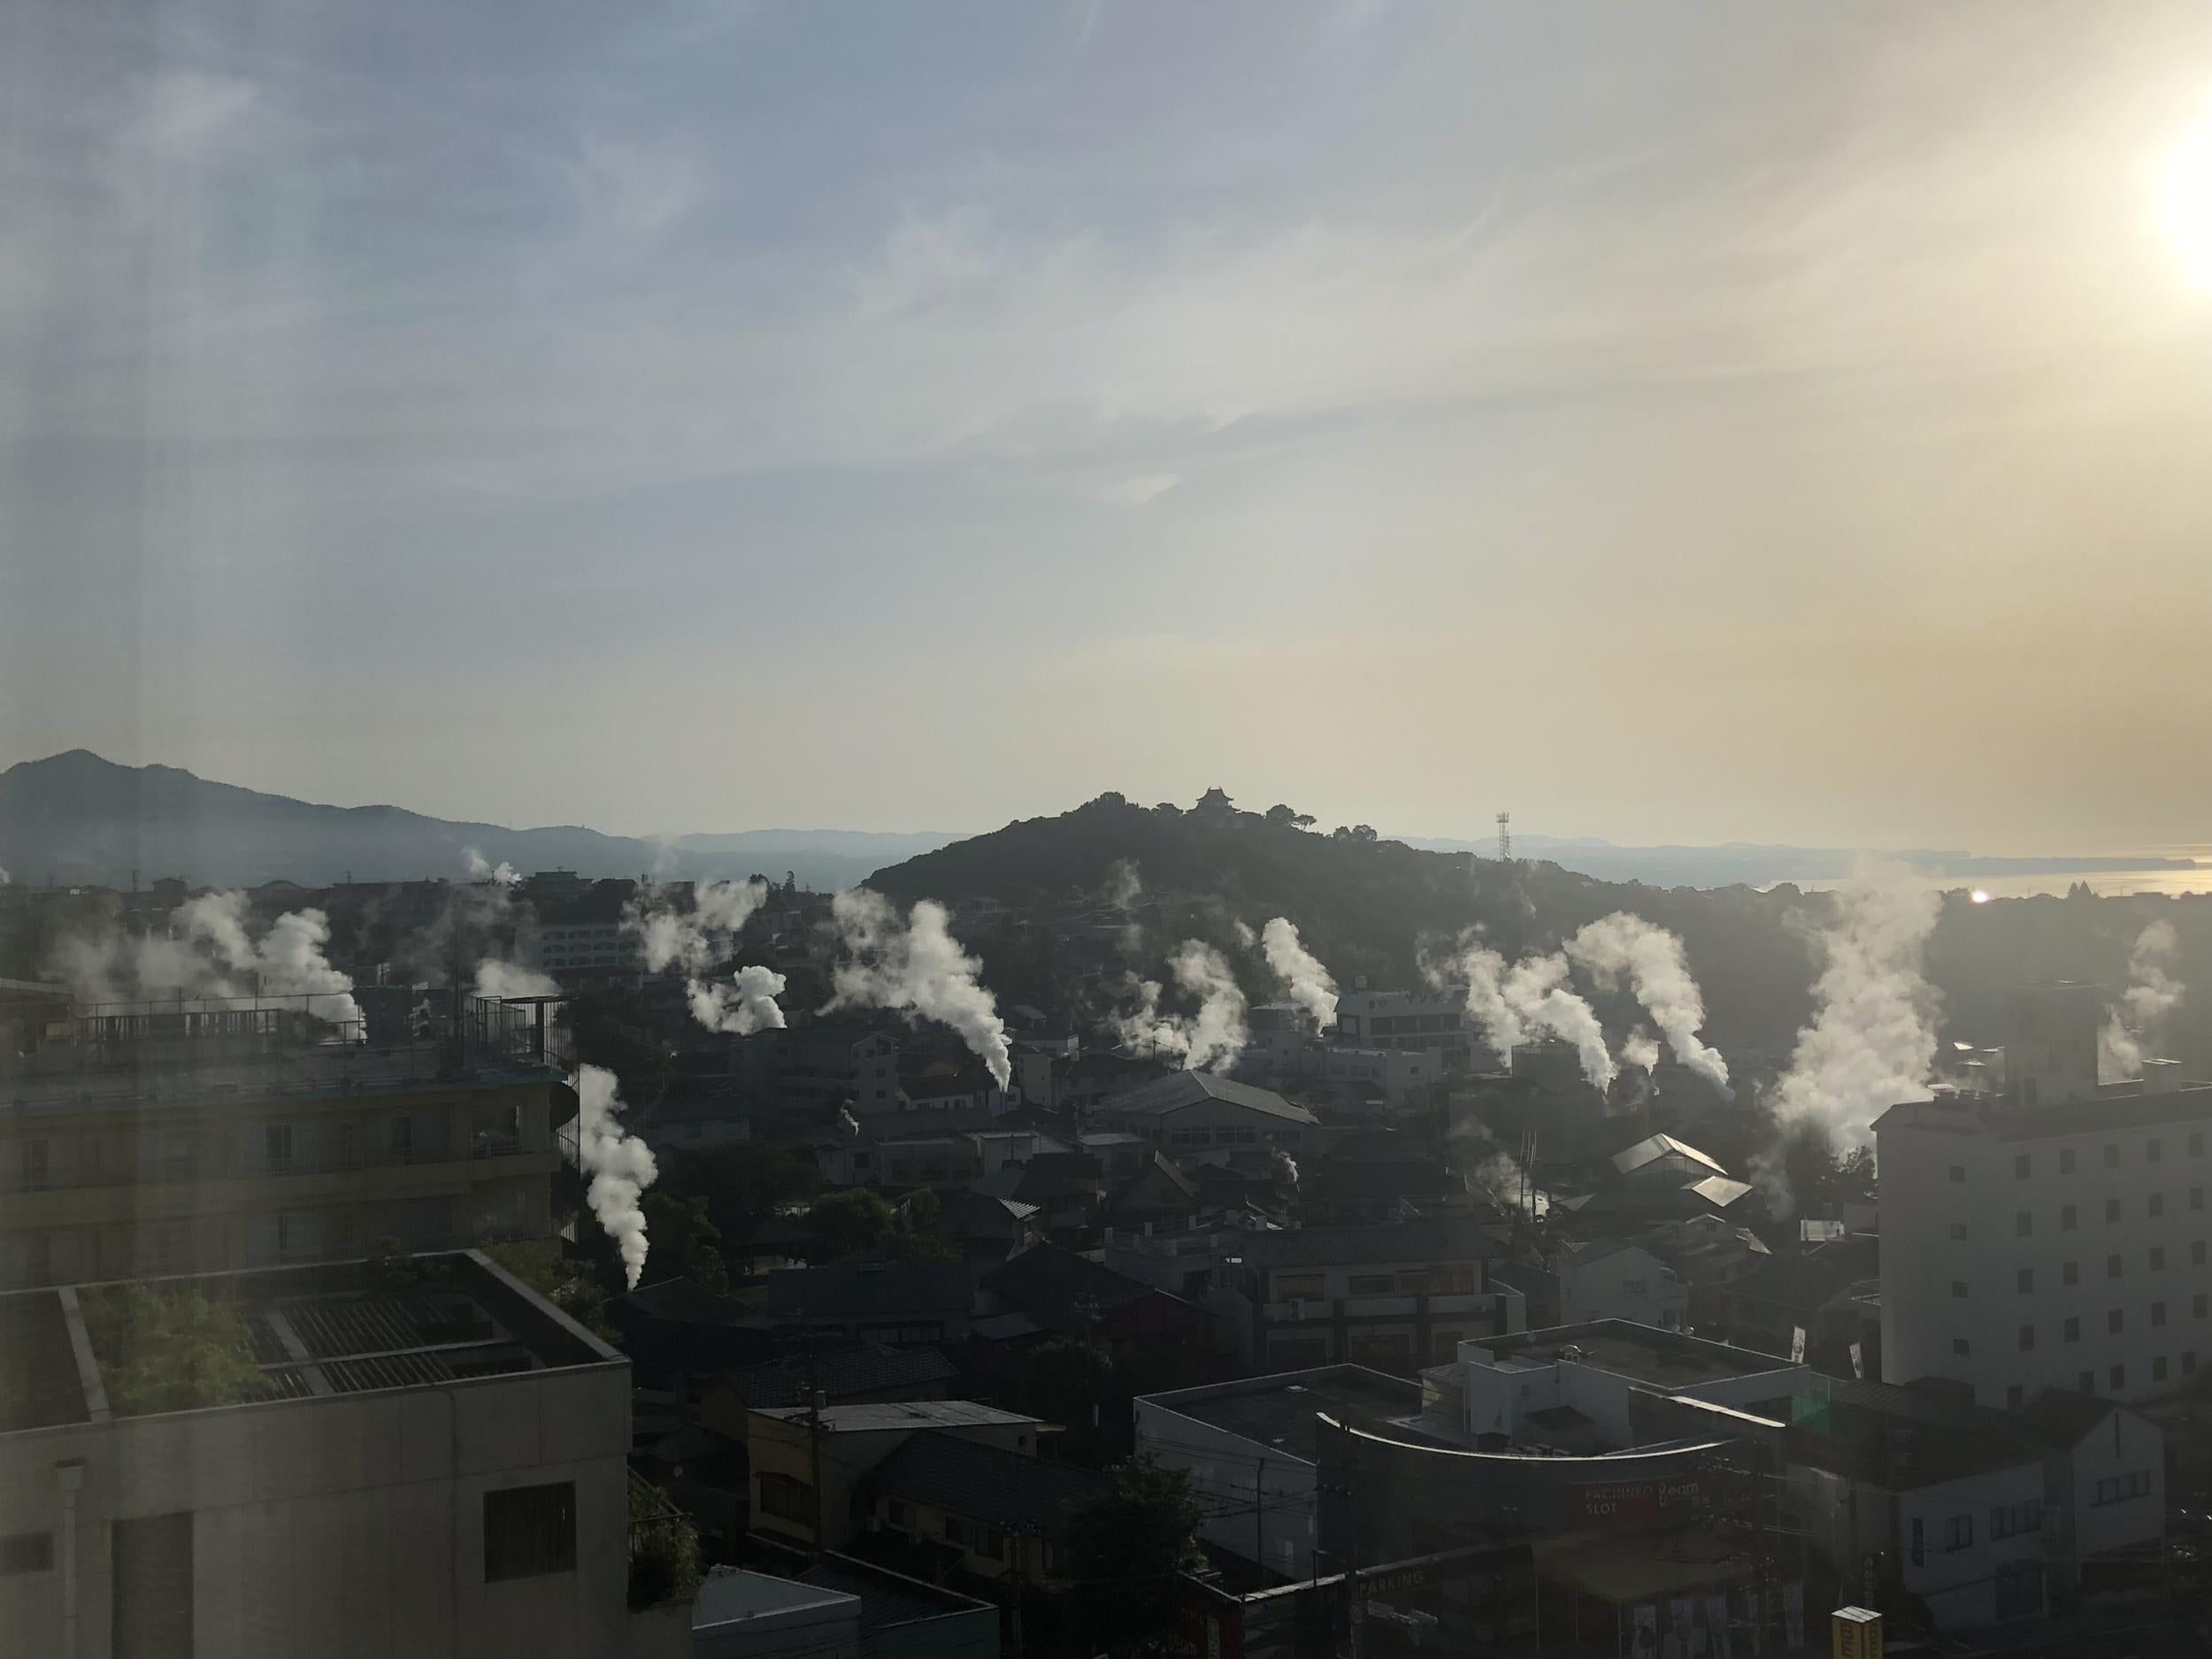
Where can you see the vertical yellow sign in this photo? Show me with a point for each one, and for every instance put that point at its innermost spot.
(1856, 1633)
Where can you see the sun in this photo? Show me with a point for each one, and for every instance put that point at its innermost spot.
(2185, 200)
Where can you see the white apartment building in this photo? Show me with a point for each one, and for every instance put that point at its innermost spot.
(2055, 1245)
(1435, 1026)
(563, 949)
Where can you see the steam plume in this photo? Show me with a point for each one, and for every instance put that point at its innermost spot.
(207, 953)
(1659, 973)
(2152, 993)
(1872, 1043)
(1216, 1033)
(621, 1167)
(744, 1007)
(1509, 1003)
(1307, 980)
(692, 939)
(494, 978)
(1124, 886)
(1640, 1050)
(917, 967)
(481, 868)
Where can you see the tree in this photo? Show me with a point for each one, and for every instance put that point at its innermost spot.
(1285, 816)
(743, 1184)
(170, 1350)
(684, 1240)
(572, 1287)
(1362, 832)
(852, 1223)
(1131, 1543)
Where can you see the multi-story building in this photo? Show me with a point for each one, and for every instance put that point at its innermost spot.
(1616, 1279)
(1395, 1298)
(2054, 1236)
(430, 1467)
(167, 1141)
(1189, 1111)
(578, 950)
(1415, 1022)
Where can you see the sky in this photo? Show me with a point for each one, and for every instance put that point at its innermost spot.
(1664, 422)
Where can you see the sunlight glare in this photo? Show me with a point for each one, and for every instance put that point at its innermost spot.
(2185, 200)
(1980, 895)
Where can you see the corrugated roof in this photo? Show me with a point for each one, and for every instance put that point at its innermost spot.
(1009, 1490)
(1653, 1148)
(1182, 1090)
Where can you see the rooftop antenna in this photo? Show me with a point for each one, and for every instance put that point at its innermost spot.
(1505, 838)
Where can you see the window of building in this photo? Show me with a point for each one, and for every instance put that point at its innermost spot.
(2158, 1368)
(27, 1552)
(2070, 1272)
(2188, 1362)
(1958, 1533)
(786, 1498)
(2111, 1209)
(2151, 1149)
(2024, 1223)
(1958, 1231)
(2196, 1253)
(2112, 1155)
(2196, 1306)
(2073, 1330)
(2011, 1520)
(2016, 1396)
(1958, 1174)
(2066, 1162)
(2086, 1383)
(2020, 1167)
(2158, 1314)
(2114, 1267)
(2117, 1377)
(2196, 1198)
(37, 1170)
(896, 1512)
(2120, 1488)
(2115, 1321)
(1302, 1287)
(2196, 1146)
(2158, 1258)
(1382, 1284)
(2158, 1203)
(2023, 1281)
(1959, 1348)
(1958, 1289)
(276, 1146)
(529, 1531)
(1919, 1543)
(2069, 1218)
(2027, 1338)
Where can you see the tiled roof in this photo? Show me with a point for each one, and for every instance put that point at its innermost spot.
(847, 1371)
(978, 1482)
(876, 1287)
(1062, 1291)
(684, 1301)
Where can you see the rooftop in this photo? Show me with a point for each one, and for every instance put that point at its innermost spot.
(868, 1288)
(1653, 1148)
(321, 1331)
(846, 1372)
(875, 1417)
(1660, 1359)
(2106, 1110)
(1278, 1411)
(1062, 1291)
(1421, 1239)
(888, 1600)
(1180, 1090)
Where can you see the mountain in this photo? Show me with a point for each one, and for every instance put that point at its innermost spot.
(1370, 907)
(78, 817)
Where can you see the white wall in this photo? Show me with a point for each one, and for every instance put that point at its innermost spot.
(351, 1525)
(1630, 1284)
(1230, 1474)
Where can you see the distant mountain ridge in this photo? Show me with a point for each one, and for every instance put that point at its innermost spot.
(1760, 864)
(76, 818)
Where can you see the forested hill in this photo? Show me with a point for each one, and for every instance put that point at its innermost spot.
(1368, 907)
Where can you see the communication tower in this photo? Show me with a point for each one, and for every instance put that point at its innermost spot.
(1505, 838)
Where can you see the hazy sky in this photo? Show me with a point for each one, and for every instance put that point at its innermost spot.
(1667, 422)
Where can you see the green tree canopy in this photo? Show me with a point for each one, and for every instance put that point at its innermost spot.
(684, 1240)
(1131, 1543)
(851, 1223)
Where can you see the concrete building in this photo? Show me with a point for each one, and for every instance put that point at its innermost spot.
(431, 1468)
(1393, 1298)
(1252, 1451)
(159, 1139)
(799, 1455)
(1614, 1278)
(996, 1513)
(576, 952)
(2060, 1245)
(838, 1607)
(1407, 1022)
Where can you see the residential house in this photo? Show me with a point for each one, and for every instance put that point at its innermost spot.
(1189, 1111)
(1614, 1278)
(991, 1512)
(1064, 1294)
(675, 1327)
(1068, 1189)
(986, 1229)
(799, 1454)
(1159, 1194)
(902, 1304)
(868, 1373)
(1343, 1192)
(1823, 1297)
(1395, 1298)
(838, 1607)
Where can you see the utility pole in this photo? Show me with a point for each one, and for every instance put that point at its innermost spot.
(1259, 1514)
